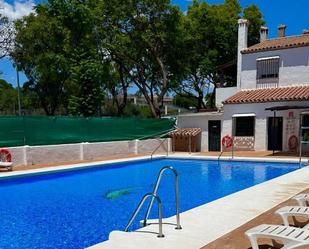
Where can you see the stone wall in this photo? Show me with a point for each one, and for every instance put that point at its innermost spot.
(45, 154)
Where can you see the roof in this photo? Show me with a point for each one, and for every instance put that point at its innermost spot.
(291, 93)
(186, 132)
(196, 114)
(279, 43)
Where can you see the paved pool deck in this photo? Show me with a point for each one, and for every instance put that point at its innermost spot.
(237, 239)
(206, 224)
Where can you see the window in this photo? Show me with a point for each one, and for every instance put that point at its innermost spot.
(268, 72)
(244, 126)
(305, 133)
(306, 120)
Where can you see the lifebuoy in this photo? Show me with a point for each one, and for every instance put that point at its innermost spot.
(227, 141)
(5, 155)
(293, 143)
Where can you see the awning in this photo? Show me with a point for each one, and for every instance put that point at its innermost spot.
(243, 115)
(286, 107)
(268, 58)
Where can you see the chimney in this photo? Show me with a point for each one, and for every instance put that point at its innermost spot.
(305, 32)
(281, 30)
(242, 44)
(263, 34)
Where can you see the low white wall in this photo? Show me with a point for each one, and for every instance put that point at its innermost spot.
(148, 146)
(45, 154)
(97, 150)
(52, 153)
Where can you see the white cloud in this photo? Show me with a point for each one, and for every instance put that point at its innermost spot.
(17, 9)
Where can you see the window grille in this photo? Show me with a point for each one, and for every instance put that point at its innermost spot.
(268, 72)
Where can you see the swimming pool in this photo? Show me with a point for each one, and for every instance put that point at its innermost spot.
(79, 208)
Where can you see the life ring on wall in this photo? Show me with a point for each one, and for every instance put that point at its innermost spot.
(227, 141)
(5, 155)
(293, 143)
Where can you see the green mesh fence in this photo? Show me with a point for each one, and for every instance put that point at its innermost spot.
(33, 130)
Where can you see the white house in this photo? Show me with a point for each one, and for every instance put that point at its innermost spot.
(263, 111)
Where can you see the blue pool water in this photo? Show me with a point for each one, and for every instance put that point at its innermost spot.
(76, 209)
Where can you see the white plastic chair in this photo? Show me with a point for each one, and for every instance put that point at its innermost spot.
(291, 237)
(7, 165)
(293, 211)
(302, 199)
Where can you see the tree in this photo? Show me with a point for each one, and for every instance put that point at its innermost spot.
(8, 98)
(143, 36)
(210, 37)
(7, 33)
(87, 70)
(185, 101)
(255, 18)
(117, 83)
(40, 53)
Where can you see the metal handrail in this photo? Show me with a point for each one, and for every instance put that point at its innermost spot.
(220, 155)
(155, 192)
(161, 235)
(231, 150)
(155, 150)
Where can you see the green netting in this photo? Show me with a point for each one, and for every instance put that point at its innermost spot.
(34, 130)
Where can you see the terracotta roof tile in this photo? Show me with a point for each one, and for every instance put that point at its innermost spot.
(293, 93)
(279, 43)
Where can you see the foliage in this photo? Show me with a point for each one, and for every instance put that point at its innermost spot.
(142, 36)
(131, 110)
(210, 40)
(39, 51)
(8, 98)
(186, 101)
(255, 18)
(79, 54)
(7, 33)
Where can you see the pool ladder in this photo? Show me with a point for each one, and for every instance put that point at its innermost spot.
(154, 196)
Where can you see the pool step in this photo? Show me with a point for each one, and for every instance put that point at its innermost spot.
(145, 237)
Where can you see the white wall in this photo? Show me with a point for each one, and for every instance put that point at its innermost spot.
(46, 154)
(199, 120)
(242, 44)
(224, 93)
(294, 67)
(261, 120)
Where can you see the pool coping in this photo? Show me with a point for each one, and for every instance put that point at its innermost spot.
(84, 165)
(69, 167)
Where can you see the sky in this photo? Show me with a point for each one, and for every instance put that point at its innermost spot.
(294, 14)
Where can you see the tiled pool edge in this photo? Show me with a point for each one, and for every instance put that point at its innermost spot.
(208, 222)
(54, 169)
(78, 166)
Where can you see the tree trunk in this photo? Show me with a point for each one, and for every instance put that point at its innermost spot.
(124, 86)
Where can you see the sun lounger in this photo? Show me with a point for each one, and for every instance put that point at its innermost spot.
(291, 237)
(302, 199)
(7, 165)
(288, 211)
